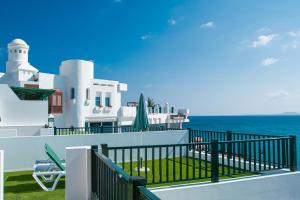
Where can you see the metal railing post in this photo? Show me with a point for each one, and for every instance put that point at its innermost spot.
(214, 161)
(229, 145)
(55, 131)
(104, 149)
(293, 153)
(137, 181)
(190, 135)
(94, 148)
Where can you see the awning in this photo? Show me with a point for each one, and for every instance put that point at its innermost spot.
(32, 93)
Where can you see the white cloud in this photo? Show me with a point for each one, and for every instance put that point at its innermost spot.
(294, 33)
(263, 40)
(278, 95)
(146, 37)
(172, 22)
(269, 61)
(209, 24)
(264, 29)
(292, 45)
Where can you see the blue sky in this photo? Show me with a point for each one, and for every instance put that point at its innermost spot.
(216, 58)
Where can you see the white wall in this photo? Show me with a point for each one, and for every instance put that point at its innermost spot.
(126, 115)
(104, 88)
(78, 173)
(32, 148)
(16, 112)
(1, 174)
(272, 187)
(78, 74)
(53, 81)
(10, 131)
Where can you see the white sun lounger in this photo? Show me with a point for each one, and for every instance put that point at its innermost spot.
(49, 171)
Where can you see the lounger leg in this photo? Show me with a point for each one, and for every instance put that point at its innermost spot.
(48, 178)
(56, 181)
(36, 177)
(40, 182)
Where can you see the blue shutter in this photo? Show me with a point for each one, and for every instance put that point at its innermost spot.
(98, 101)
(107, 101)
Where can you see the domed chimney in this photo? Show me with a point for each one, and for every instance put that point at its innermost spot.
(18, 51)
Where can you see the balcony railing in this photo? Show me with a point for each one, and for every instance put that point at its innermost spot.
(124, 172)
(205, 160)
(208, 136)
(107, 129)
(109, 181)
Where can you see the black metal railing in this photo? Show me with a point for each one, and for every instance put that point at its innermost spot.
(106, 129)
(208, 136)
(210, 160)
(109, 181)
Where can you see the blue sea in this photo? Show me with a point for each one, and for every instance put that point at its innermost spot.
(277, 125)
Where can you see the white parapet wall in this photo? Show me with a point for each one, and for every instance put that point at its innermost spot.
(13, 131)
(78, 173)
(21, 152)
(270, 187)
(16, 112)
(1, 174)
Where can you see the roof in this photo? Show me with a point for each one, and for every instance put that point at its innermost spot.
(18, 42)
(27, 67)
(32, 93)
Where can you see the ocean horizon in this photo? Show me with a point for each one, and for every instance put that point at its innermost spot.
(260, 124)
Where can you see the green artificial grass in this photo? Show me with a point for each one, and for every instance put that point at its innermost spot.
(22, 186)
(199, 171)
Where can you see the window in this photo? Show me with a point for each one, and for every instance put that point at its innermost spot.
(58, 100)
(87, 93)
(72, 93)
(24, 52)
(98, 101)
(20, 51)
(55, 103)
(15, 51)
(107, 101)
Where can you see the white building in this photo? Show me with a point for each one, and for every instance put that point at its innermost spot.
(79, 99)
